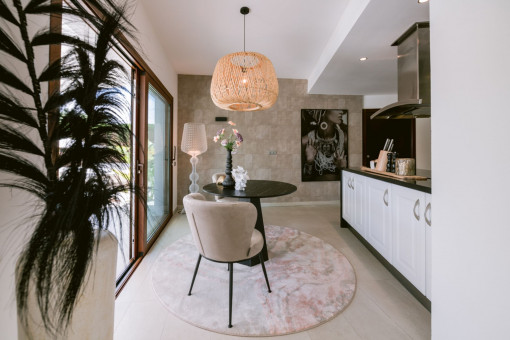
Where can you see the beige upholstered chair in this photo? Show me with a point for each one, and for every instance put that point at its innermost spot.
(218, 197)
(224, 232)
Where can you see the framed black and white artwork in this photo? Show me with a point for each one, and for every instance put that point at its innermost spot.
(323, 144)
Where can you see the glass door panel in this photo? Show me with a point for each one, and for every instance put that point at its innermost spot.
(158, 161)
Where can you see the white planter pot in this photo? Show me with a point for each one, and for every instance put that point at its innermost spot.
(94, 312)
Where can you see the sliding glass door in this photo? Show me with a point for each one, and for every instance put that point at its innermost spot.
(158, 161)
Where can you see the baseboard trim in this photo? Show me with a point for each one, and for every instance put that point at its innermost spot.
(401, 278)
(289, 204)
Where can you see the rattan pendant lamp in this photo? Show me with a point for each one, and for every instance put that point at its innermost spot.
(244, 81)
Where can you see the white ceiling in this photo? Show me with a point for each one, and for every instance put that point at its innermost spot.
(378, 26)
(318, 40)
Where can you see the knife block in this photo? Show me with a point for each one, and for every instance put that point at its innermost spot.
(381, 161)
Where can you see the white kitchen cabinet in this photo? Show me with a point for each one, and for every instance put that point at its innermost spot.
(427, 215)
(348, 201)
(409, 238)
(358, 187)
(378, 224)
(352, 201)
(395, 220)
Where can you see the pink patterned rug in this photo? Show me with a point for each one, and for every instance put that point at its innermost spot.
(311, 283)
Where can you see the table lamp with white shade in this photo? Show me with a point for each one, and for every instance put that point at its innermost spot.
(194, 143)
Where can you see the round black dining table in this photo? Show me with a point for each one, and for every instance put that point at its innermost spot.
(254, 191)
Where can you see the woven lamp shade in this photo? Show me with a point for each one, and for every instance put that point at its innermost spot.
(244, 81)
(194, 140)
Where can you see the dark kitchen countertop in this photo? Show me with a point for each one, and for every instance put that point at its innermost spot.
(424, 186)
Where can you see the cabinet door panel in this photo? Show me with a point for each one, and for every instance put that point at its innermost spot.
(409, 234)
(347, 197)
(428, 246)
(378, 217)
(359, 209)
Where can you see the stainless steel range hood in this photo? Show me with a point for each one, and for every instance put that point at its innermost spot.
(413, 76)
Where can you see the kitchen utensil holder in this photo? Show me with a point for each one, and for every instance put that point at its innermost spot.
(382, 161)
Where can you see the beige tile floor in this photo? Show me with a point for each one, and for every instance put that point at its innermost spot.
(381, 309)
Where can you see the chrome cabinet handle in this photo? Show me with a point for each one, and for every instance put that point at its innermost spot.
(385, 197)
(427, 219)
(416, 205)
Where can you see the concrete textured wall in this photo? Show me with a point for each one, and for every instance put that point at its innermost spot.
(278, 128)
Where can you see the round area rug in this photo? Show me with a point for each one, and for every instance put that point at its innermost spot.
(311, 282)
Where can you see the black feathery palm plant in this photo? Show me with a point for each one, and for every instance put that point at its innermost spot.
(76, 185)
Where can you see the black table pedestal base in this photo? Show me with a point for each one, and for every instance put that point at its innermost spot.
(260, 227)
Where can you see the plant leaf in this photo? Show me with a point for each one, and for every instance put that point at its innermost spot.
(35, 3)
(15, 140)
(59, 69)
(57, 100)
(28, 186)
(8, 45)
(49, 38)
(6, 13)
(19, 166)
(83, 14)
(12, 111)
(8, 78)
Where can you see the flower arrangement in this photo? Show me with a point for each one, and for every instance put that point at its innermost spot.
(231, 142)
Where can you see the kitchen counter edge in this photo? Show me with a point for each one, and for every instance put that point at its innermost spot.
(424, 186)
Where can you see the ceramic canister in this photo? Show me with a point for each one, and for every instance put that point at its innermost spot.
(405, 166)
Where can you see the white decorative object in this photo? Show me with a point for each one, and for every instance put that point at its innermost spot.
(194, 143)
(241, 178)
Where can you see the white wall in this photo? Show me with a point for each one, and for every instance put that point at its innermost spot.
(15, 207)
(470, 50)
(423, 126)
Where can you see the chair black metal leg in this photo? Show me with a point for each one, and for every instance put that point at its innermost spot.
(230, 288)
(264, 270)
(195, 274)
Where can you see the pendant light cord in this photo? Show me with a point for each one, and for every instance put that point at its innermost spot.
(244, 34)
